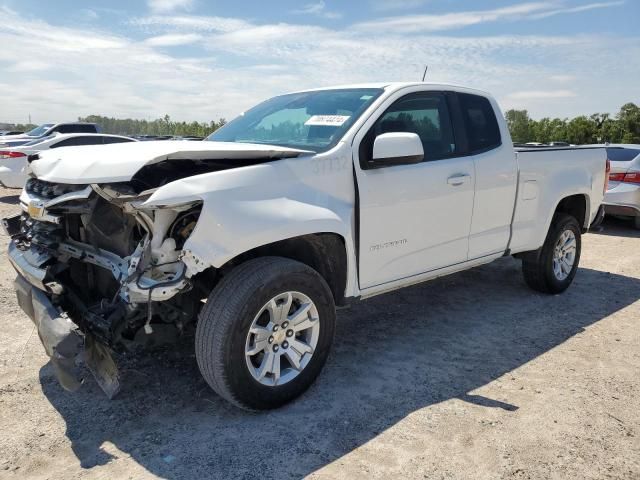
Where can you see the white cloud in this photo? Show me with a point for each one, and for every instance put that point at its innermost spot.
(386, 5)
(173, 39)
(45, 36)
(528, 95)
(562, 78)
(168, 6)
(29, 66)
(578, 9)
(88, 14)
(271, 38)
(66, 72)
(189, 22)
(318, 9)
(450, 21)
(566, 103)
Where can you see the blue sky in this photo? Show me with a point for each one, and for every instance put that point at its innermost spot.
(202, 60)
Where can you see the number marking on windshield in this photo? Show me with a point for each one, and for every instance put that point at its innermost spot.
(326, 120)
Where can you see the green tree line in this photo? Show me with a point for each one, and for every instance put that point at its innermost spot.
(624, 127)
(160, 126)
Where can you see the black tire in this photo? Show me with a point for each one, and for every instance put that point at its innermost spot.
(636, 222)
(537, 267)
(225, 320)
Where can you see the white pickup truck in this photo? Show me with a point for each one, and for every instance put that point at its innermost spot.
(307, 201)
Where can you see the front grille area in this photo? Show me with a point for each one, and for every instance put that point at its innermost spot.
(42, 234)
(49, 190)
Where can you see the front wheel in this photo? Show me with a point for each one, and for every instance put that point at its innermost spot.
(552, 269)
(265, 332)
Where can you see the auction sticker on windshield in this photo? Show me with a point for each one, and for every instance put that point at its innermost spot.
(327, 120)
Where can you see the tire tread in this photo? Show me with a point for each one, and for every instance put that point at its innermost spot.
(534, 263)
(217, 318)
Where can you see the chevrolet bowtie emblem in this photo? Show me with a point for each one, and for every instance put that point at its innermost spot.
(35, 209)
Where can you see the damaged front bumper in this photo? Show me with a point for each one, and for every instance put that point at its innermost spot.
(62, 339)
(64, 342)
(83, 298)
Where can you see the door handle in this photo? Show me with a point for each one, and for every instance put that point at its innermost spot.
(457, 180)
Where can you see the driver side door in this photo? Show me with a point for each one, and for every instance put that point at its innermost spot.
(414, 218)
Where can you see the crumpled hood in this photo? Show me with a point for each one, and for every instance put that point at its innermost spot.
(119, 162)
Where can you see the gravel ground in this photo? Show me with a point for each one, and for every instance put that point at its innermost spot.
(468, 376)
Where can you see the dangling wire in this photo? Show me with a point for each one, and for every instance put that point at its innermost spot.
(147, 326)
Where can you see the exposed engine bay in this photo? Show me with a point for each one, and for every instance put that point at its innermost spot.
(107, 250)
(114, 267)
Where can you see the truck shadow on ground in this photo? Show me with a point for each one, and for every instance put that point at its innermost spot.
(617, 227)
(11, 199)
(393, 355)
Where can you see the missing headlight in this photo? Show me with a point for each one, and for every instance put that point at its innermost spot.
(183, 226)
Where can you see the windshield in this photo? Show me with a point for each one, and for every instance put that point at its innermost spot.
(309, 120)
(36, 132)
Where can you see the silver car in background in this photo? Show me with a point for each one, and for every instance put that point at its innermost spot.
(622, 197)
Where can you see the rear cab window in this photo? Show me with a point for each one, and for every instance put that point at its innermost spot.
(481, 124)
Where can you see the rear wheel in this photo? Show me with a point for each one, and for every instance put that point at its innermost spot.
(553, 267)
(265, 332)
(636, 222)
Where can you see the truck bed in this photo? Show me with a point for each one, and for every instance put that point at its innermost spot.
(544, 171)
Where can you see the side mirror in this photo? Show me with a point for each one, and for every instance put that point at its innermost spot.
(396, 148)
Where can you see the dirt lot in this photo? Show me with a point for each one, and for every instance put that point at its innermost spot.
(469, 376)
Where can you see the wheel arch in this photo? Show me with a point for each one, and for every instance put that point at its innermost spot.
(325, 252)
(577, 206)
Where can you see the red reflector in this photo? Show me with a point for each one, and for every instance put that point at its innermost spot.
(9, 154)
(632, 177)
(629, 177)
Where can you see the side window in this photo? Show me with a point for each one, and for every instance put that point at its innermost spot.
(80, 128)
(116, 140)
(75, 128)
(480, 121)
(425, 114)
(64, 129)
(76, 141)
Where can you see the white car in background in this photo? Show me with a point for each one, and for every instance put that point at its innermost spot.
(14, 160)
(47, 129)
(622, 197)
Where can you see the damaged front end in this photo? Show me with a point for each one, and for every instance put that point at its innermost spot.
(100, 271)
